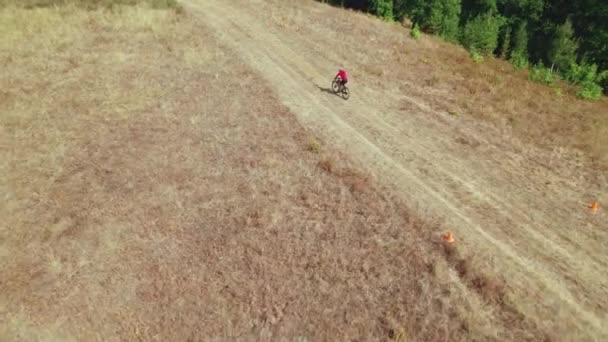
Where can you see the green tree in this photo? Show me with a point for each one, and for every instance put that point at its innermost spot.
(563, 47)
(442, 17)
(529, 10)
(480, 34)
(519, 54)
(474, 8)
(382, 8)
(505, 47)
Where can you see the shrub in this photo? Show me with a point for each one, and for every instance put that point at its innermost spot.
(557, 91)
(481, 33)
(590, 90)
(539, 73)
(476, 57)
(586, 76)
(519, 61)
(415, 32)
(579, 73)
(313, 145)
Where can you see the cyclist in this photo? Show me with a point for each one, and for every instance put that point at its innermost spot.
(342, 77)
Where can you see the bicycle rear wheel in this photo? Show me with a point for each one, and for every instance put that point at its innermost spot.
(335, 86)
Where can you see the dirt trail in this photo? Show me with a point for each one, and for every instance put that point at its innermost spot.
(529, 221)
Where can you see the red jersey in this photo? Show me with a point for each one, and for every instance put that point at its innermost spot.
(343, 75)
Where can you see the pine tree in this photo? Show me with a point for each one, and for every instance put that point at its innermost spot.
(382, 8)
(480, 34)
(445, 14)
(506, 43)
(563, 47)
(519, 54)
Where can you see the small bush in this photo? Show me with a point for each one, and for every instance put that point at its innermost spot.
(313, 146)
(586, 77)
(476, 57)
(519, 61)
(415, 32)
(580, 73)
(557, 91)
(539, 73)
(590, 91)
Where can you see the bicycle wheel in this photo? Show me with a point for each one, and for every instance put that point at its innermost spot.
(335, 86)
(345, 93)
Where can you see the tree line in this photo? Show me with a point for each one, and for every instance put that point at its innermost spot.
(565, 39)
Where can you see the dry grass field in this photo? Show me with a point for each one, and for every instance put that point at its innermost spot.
(174, 173)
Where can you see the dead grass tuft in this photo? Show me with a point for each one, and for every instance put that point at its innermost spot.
(356, 181)
(491, 288)
(312, 145)
(327, 164)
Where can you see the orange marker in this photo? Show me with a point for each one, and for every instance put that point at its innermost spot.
(595, 206)
(449, 238)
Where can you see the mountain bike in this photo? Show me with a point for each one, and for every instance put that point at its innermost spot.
(340, 89)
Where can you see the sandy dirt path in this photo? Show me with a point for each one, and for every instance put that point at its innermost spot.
(528, 221)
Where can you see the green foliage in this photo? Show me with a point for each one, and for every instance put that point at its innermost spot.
(442, 17)
(589, 91)
(415, 32)
(382, 8)
(476, 57)
(473, 8)
(542, 74)
(557, 91)
(519, 61)
(519, 55)
(563, 47)
(587, 78)
(401, 9)
(506, 43)
(481, 33)
(580, 73)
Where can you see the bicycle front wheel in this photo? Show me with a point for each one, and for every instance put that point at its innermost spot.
(345, 93)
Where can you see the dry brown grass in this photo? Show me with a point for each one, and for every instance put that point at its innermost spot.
(538, 280)
(91, 4)
(150, 193)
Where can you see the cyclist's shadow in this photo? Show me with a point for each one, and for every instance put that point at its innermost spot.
(327, 90)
